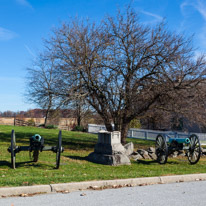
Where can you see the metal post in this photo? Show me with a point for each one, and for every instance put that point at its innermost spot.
(132, 133)
(146, 135)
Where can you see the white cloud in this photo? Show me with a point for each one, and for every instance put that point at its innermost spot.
(198, 5)
(24, 3)
(6, 34)
(30, 51)
(156, 17)
(183, 5)
(201, 8)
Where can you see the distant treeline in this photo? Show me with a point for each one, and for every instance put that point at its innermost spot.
(39, 113)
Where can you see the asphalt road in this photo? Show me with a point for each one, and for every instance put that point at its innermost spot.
(176, 194)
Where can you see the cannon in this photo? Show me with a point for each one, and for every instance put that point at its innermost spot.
(166, 145)
(36, 145)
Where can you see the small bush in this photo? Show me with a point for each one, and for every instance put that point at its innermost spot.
(31, 122)
(51, 126)
(135, 123)
(79, 129)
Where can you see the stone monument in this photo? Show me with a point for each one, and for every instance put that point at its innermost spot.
(109, 150)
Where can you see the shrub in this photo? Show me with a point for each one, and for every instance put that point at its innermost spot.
(51, 126)
(31, 122)
(79, 128)
(135, 123)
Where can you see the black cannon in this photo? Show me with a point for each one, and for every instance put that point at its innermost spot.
(166, 145)
(36, 145)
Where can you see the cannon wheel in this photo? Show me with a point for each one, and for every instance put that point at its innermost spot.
(13, 147)
(161, 149)
(59, 149)
(35, 155)
(194, 151)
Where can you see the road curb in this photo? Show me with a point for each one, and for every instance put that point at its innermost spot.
(182, 178)
(15, 191)
(96, 185)
(104, 184)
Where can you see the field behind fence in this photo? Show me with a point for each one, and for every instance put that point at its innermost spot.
(62, 123)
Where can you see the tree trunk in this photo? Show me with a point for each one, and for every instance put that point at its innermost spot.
(78, 120)
(124, 131)
(109, 126)
(117, 123)
(48, 109)
(78, 114)
(46, 118)
(79, 105)
(117, 127)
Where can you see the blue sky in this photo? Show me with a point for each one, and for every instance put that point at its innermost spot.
(24, 23)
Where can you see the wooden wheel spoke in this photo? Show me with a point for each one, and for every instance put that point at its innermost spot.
(194, 151)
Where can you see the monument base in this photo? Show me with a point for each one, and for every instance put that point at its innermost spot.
(114, 159)
(109, 150)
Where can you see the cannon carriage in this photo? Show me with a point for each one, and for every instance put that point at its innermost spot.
(166, 145)
(36, 145)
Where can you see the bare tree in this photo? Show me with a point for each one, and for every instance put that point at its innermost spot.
(41, 82)
(123, 68)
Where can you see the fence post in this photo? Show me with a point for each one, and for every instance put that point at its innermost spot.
(131, 133)
(146, 135)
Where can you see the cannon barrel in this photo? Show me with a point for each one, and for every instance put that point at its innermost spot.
(180, 140)
(36, 138)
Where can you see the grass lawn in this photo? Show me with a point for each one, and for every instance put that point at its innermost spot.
(74, 167)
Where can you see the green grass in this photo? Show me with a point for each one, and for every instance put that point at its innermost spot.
(74, 166)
